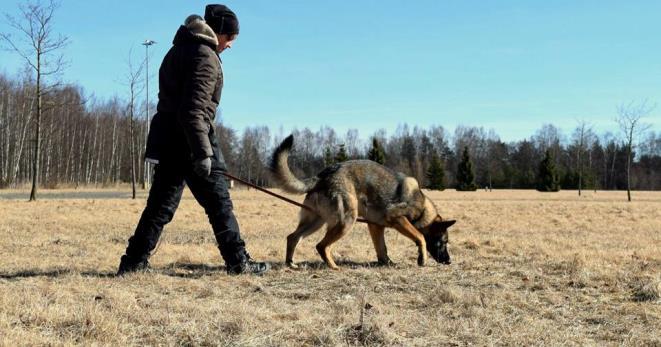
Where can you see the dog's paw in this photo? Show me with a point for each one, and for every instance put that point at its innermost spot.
(421, 260)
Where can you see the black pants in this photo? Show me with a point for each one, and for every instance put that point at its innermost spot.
(164, 196)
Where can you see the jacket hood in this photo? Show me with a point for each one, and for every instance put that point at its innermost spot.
(197, 30)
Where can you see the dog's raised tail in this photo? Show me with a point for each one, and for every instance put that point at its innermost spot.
(281, 174)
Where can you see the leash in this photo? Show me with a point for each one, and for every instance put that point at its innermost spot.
(264, 190)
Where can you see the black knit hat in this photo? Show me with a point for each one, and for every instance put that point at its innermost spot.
(221, 19)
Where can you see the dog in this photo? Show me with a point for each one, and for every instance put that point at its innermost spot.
(342, 192)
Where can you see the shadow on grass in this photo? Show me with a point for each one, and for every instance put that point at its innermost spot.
(184, 270)
(189, 270)
(52, 274)
(195, 271)
(343, 264)
(175, 270)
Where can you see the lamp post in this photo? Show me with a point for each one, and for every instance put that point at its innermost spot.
(147, 174)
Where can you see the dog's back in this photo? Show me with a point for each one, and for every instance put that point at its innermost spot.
(374, 187)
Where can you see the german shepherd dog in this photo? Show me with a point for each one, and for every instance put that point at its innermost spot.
(342, 192)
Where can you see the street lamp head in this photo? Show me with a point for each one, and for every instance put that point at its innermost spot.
(148, 43)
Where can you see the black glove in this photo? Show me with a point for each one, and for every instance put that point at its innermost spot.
(202, 167)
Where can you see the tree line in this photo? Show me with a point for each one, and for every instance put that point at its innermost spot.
(88, 142)
(83, 142)
(472, 157)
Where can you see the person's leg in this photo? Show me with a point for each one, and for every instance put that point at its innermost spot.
(163, 200)
(212, 194)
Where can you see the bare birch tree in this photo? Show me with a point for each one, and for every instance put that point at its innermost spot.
(629, 118)
(582, 135)
(133, 81)
(38, 45)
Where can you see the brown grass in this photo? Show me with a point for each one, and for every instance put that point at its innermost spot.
(528, 269)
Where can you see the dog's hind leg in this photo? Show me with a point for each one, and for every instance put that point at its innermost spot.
(333, 234)
(339, 224)
(308, 224)
(407, 229)
(377, 234)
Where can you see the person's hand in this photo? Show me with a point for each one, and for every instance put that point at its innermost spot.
(202, 167)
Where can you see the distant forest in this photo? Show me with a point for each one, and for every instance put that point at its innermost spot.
(87, 142)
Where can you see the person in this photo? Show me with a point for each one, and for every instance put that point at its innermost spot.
(183, 146)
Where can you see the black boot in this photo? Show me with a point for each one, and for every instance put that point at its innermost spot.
(128, 265)
(248, 266)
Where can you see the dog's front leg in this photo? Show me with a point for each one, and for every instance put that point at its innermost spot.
(376, 232)
(407, 229)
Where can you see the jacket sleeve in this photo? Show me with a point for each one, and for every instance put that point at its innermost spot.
(199, 84)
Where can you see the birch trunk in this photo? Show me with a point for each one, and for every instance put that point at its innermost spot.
(19, 152)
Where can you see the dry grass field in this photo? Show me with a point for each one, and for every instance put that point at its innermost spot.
(528, 269)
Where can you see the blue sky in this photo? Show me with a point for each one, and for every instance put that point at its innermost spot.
(508, 65)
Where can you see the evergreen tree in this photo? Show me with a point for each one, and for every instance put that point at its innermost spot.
(436, 173)
(465, 174)
(569, 179)
(376, 153)
(547, 179)
(409, 154)
(328, 157)
(341, 155)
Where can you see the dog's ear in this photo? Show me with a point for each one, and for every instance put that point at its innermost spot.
(444, 224)
(288, 142)
(448, 223)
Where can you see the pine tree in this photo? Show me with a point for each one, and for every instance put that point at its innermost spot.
(436, 173)
(465, 175)
(328, 157)
(547, 179)
(341, 155)
(376, 152)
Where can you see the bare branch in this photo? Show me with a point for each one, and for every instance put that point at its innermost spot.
(132, 78)
(630, 115)
(18, 51)
(52, 88)
(54, 105)
(14, 23)
(47, 47)
(59, 65)
(36, 30)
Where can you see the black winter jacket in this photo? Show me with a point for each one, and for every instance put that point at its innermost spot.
(190, 84)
